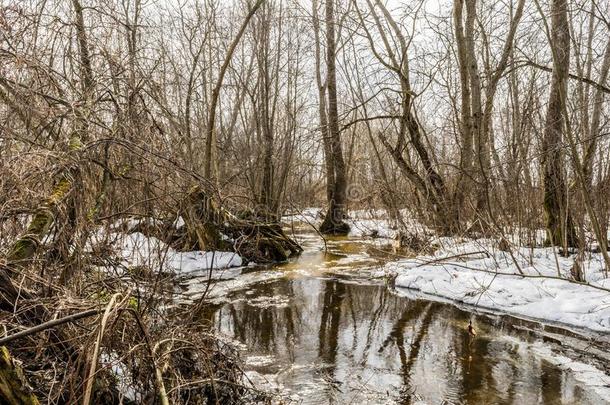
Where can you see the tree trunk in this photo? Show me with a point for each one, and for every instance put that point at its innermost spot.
(328, 161)
(464, 185)
(595, 130)
(13, 387)
(481, 138)
(334, 221)
(210, 227)
(560, 227)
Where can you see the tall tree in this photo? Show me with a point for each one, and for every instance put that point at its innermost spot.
(430, 183)
(321, 84)
(560, 227)
(334, 222)
(466, 149)
(476, 111)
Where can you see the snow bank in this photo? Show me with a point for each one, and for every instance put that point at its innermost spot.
(196, 260)
(136, 249)
(362, 222)
(371, 227)
(469, 272)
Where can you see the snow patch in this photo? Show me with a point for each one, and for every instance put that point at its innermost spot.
(136, 249)
(476, 273)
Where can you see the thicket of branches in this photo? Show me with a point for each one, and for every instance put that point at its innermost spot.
(476, 117)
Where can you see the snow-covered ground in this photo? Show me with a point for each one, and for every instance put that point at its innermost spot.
(136, 249)
(478, 273)
(362, 222)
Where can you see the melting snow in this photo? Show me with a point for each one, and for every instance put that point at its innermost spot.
(476, 273)
(136, 249)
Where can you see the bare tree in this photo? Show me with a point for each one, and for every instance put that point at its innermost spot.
(334, 221)
(559, 222)
(210, 139)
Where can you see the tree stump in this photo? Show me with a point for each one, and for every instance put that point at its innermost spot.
(211, 227)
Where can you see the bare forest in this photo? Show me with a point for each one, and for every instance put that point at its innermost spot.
(141, 137)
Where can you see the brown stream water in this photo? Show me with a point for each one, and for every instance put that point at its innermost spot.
(321, 329)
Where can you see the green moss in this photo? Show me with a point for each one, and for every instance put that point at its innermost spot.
(122, 171)
(5, 357)
(40, 223)
(75, 143)
(102, 296)
(13, 388)
(59, 191)
(24, 248)
(133, 303)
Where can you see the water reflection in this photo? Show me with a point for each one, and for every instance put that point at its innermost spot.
(336, 341)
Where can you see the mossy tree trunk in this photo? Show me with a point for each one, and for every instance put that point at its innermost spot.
(26, 246)
(14, 389)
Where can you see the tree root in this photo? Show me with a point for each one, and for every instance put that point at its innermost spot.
(211, 227)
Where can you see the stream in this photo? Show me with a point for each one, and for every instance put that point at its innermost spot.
(326, 328)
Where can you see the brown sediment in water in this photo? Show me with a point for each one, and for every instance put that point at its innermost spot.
(326, 334)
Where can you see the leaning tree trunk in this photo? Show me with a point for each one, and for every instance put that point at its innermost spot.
(334, 221)
(560, 227)
(25, 248)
